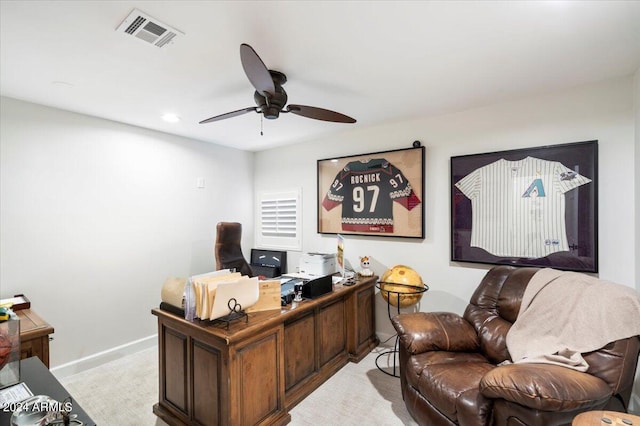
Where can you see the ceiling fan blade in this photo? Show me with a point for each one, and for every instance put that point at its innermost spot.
(256, 71)
(229, 114)
(319, 114)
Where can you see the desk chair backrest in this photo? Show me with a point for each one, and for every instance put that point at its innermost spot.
(228, 251)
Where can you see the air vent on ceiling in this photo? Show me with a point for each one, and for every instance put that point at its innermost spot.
(148, 29)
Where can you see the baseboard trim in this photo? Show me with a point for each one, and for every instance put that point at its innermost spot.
(95, 360)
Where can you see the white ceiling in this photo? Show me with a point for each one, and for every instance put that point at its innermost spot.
(376, 61)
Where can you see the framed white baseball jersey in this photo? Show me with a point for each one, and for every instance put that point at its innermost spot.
(518, 207)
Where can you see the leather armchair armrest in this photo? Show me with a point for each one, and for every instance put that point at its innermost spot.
(545, 387)
(435, 331)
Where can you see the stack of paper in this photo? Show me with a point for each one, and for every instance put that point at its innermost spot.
(209, 296)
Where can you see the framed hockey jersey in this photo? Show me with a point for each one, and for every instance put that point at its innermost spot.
(378, 194)
(527, 207)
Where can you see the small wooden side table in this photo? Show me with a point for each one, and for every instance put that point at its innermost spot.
(605, 418)
(34, 336)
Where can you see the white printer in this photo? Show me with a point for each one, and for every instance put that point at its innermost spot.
(318, 264)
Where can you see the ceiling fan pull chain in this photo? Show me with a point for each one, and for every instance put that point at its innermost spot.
(261, 119)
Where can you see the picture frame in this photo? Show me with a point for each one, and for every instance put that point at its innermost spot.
(376, 194)
(546, 213)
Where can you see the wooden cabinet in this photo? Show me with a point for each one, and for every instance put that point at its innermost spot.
(34, 336)
(254, 372)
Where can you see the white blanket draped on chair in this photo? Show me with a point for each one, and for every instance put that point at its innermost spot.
(566, 314)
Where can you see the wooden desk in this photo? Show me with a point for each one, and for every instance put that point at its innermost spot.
(34, 336)
(255, 372)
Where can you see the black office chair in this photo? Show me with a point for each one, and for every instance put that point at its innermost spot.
(228, 251)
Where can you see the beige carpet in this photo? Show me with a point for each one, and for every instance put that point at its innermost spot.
(122, 393)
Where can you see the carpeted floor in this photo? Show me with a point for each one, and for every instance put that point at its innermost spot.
(122, 393)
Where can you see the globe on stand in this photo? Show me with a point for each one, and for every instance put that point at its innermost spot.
(401, 286)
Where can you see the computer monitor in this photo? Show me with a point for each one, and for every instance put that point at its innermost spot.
(270, 263)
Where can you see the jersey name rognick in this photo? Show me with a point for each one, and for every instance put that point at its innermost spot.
(366, 178)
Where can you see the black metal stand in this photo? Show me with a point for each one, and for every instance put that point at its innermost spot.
(235, 314)
(394, 352)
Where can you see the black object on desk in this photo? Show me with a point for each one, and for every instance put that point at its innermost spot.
(311, 288)
(317, 287)
(270, 263)
(41, 382)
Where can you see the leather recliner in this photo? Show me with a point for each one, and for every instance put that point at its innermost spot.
(449, 369)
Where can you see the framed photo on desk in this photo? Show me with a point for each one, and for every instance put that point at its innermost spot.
(377, 194)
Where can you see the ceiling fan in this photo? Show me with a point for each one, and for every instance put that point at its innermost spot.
(270, 97)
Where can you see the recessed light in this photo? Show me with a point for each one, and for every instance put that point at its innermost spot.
(171, 118)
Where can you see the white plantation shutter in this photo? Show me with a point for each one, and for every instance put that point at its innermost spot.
(279, 217)
(279, 220)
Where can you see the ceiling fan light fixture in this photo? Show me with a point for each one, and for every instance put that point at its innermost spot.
(271, 113)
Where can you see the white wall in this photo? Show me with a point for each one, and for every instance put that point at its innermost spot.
(95, 215)
(601, 111)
